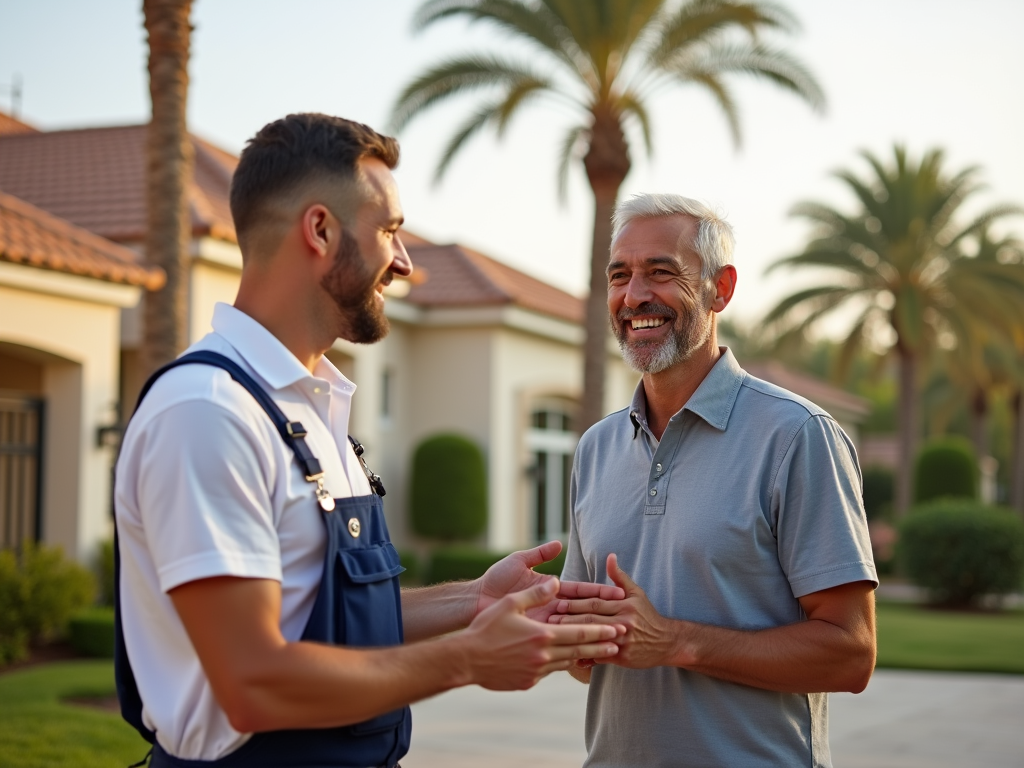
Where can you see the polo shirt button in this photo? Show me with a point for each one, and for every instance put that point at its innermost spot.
(657, 467)
(654, 491)
(316, 390)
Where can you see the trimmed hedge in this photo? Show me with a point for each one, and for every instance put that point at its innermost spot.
(448, 493)
(959, 550)
(879, 485)
(91, 632)
(411, 575)
(460, 563)
(946, 467)
(39, 591)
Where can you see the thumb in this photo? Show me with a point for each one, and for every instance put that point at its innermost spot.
(619, 576)
(543, 553)
(538, 594)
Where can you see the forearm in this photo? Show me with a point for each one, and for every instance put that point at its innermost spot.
(307, 685)
(807, 657)
(439, 609)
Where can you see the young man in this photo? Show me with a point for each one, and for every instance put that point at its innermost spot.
(735, 505)
(258, 587)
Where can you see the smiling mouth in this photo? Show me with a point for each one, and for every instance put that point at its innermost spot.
(639, 323)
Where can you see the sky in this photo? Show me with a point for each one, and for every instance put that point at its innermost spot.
(927, 73)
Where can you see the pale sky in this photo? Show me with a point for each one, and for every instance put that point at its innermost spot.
(924, 72)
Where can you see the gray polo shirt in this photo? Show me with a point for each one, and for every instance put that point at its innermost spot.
(751, 499)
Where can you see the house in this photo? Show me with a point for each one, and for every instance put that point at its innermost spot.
(477, 347)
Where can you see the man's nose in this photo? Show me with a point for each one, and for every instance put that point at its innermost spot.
(638, 292)
(401, 264)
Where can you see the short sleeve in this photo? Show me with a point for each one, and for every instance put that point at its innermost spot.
(821, 528)
(203, 496)
(575, 568)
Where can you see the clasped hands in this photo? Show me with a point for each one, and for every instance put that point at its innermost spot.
(587, 623)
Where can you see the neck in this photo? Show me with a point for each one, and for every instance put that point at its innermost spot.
(668, 391)
(273, 298)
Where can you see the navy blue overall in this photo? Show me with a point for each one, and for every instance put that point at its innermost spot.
(358, 604)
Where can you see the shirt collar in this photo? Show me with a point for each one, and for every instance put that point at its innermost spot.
(713, 400)
(266, 355)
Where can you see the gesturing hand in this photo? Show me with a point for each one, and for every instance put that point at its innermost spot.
(514, 574)
(649, 640)
(506, 650)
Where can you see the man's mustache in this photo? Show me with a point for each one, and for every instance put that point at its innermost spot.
(647, 308)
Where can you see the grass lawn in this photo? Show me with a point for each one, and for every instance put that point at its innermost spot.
(912, 637)
(38, 731)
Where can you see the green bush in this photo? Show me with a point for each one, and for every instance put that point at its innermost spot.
(460, 563)
(39, 591)
(448, 497)
(105, 571)
(553, 567)
(91, 632)
(959, 550)
(946, 467)
(879, 483)
(411, 575)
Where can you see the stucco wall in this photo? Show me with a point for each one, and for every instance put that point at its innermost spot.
(76, 344)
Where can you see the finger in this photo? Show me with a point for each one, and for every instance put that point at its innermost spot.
(584, 589)
(619, 576)
(585, 619)
(537, 555)
(577, 634)
(585, 651)
(591, 605)
(538, 594)
(584, 663)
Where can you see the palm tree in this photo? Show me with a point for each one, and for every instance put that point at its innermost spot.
(901, 261)
(169, 160)
(605, 60)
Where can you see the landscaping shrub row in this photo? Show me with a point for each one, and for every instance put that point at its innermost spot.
(461, 562)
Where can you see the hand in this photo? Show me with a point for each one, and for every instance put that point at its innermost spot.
(514, 574)
(508, 651)
(649, 640)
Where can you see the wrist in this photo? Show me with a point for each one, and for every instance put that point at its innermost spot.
(457, 651)
(685, 648)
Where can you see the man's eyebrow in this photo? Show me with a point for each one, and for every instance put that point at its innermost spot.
(613, 266)
(652, 261)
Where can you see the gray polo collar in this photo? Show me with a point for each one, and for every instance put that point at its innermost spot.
(713, 401)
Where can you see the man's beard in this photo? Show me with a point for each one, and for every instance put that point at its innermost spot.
(352, 287)
(689, 332)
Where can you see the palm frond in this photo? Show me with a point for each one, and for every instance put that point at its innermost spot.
(477, 120)
(833, 255)
(816, 297)
(565, 158)
(457, 76)
(630, 104)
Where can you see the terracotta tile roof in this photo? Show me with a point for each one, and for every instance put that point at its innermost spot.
(460, 276)
(95, 178)
(9, 125)
(815, 390)
(35, 238)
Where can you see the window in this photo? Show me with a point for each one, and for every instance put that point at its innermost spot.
(551, 443)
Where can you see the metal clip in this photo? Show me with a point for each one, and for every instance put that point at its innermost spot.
(325, 499)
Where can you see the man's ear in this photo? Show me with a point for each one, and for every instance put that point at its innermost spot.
(320, 229)
(725, 286)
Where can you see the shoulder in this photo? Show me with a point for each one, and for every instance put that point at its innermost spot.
(609, 431)
(770, 402)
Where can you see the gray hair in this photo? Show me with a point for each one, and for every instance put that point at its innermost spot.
(714, 241)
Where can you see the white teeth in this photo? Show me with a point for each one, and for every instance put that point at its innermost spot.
(648, 322)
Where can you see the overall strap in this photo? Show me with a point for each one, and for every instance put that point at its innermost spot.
(292, 432)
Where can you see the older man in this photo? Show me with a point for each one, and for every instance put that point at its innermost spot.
(736, 508)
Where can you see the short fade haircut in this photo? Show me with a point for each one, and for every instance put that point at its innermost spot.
(296, 150)
(714, 242)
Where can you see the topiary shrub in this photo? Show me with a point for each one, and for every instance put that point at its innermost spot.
(105, 571)
(959, 550)
(39, 591)
(91, 632)
(411, 575)
(946, 467)
(460, 563)
(448, 498)
(879, 483)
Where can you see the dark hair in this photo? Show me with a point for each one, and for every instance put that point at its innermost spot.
(297, 149)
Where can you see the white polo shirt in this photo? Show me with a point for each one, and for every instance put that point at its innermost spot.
(206, 487)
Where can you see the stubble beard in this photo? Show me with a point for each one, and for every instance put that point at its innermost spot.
(690, 331)
(352, 287)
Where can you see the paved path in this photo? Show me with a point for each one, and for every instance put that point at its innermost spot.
(902, 720)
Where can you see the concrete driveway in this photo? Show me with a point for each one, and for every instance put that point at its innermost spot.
(902, 720)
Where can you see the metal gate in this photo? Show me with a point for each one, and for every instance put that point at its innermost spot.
(21, 429)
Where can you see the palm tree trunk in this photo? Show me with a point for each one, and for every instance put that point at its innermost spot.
(169, 159)
(979, 425)
(907, 426)
(607, 163)
(1017, 465)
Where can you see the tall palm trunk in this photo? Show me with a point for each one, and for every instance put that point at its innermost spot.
(979, 422)
(169, 159)
(907, 427)
(1017, 465)
(607, 163)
